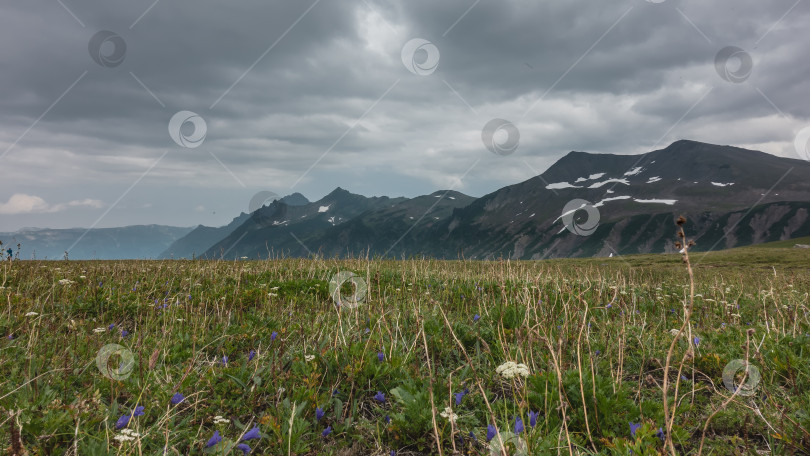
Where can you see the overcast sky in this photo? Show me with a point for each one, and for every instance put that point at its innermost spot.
(310, 95)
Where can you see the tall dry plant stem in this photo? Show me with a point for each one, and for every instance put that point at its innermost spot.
(669, 418)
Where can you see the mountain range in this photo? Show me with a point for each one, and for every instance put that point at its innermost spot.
(583, 205)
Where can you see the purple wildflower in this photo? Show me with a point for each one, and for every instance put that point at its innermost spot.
(476, 317)
(123, 421)
(379, 397)
(696, 340)
(387, 419)
(252, 434)
(472, 436)
(177, 398)
(124, 333)
(216, 438)
(381, 356)
(110, 328)
(273, 335)
(319, 413)
(251, 355)
(138, 410)
(491, 431)
(518, 425)
(224, 360)
(633, 428)
(533, 418)
(245, 449)
(327, 431)
(660, 434)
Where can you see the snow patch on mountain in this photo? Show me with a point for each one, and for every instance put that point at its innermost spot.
(619, 181)
(591, 177)
(660, 201)
(612, 198)
(560, 185)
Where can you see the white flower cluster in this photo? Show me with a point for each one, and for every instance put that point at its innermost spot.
(31, 314)
(510, 369)
(221, 420)
(65, 282)
(100, 330)
(309, 357)
(126, 435)
(449, 415)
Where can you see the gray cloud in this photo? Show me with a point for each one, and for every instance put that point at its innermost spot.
(305, 98)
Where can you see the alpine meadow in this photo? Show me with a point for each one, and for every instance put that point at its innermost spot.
(405, 228)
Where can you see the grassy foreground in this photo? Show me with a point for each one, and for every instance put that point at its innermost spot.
(257, 356)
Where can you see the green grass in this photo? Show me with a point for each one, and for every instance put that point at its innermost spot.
(593, 334)
(780, 244)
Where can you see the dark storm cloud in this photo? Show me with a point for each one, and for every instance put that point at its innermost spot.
(310, 95)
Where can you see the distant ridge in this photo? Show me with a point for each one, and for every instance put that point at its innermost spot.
(731, 196)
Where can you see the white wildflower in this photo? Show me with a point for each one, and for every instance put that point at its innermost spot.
(130, 432)
(82, 277)
(449, 415)
(100, 330)
(65, 282)
(272, 294)
(31, 314)
(309, 357)
(674, 332)
(123, 438)
(221, 420)
(281, 390)
(510, 369)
